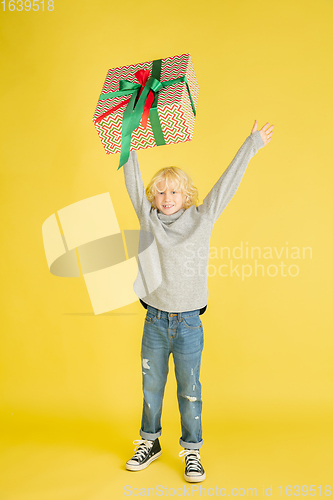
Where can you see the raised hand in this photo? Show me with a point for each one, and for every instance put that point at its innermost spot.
(266, 133)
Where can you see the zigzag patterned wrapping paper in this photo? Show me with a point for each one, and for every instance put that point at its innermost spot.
(174, 105)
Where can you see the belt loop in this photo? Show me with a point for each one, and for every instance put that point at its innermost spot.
(158, 314)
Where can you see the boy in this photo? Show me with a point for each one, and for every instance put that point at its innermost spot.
(168, 210)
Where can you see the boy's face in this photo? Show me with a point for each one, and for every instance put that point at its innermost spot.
(167, 199)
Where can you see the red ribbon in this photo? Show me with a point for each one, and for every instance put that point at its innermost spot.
(142, 76)
(107, 113)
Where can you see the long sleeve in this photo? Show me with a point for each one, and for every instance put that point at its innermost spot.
(225, 188)
(135, 186)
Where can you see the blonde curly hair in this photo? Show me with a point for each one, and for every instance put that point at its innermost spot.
(183, 183)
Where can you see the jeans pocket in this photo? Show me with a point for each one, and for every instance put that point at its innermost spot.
(150, 318)
(192, 322)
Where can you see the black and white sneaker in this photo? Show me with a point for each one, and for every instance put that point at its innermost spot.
(145, 452)
(194, 472)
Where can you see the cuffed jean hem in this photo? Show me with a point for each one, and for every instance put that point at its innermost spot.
(190, 446)
(149, 435)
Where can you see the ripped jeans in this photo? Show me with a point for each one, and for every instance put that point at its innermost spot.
(181, 334)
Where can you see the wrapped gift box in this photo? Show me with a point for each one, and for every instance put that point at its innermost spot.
(173, 107)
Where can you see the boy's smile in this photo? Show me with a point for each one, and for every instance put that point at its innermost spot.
(168, 200)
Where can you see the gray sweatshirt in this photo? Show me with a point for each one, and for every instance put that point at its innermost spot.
(174, 249)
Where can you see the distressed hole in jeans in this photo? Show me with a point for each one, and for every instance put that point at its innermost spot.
(191, 398)
(145, 364)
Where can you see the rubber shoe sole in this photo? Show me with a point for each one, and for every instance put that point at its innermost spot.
(134, 468)
(195, 479)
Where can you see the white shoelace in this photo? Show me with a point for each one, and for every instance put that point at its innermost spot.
(141, 448)
(192, 458)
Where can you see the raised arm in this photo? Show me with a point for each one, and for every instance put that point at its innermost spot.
(135, 186)
(225, 188)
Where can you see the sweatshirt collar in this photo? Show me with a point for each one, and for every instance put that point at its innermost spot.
(168, 219)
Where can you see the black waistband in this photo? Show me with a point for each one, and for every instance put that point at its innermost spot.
(202, 310)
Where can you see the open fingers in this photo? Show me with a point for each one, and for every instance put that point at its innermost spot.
(265, 126)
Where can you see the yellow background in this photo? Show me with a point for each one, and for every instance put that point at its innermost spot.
(71, 381)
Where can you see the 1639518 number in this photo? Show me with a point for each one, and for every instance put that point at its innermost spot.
(304, 490)
(27, 5)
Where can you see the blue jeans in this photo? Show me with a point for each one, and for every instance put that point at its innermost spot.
(181, 334)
